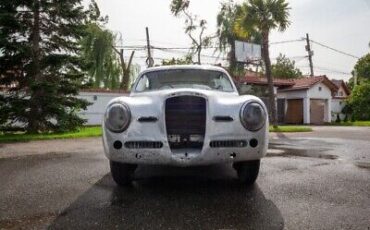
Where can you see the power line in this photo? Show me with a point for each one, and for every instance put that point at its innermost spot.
(286, 41)
(335, 50)
(189, 47)
(331, 70)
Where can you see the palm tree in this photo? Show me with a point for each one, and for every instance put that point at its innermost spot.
(264, 16)
(228, 31)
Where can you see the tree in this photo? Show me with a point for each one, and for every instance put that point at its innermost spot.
(105, 64)
(359, 101)
(362, 71)
(362, 67)
(178, 61)
(226, 34)
(285, 68)
(264, 16)
(194, 27)
(101, 60)
(40, 64)
(229, 30)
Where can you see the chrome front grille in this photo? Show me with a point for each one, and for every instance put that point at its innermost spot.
(185, 122)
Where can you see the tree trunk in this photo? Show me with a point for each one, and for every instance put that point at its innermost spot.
(199, 53)
(126, 72)
(266, 58)
(232, 58)
(33, 124)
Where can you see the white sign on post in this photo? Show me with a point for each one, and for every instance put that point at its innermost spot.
(247, 52)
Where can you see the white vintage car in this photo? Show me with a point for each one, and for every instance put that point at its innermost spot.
(185, 116)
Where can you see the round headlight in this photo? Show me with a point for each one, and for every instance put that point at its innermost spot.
(117, 117)
(253, 116)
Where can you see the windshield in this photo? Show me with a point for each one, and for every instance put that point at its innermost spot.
(184, 78)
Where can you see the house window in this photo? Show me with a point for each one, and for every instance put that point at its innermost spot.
(95, 97)
(320, 88)
(341, 94)
(340, 103)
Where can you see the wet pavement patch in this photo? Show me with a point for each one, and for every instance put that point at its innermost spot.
(280, 150)
(363, 164)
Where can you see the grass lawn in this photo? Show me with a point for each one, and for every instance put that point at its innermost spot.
(290, 129)
(22, 137)
(354, 123)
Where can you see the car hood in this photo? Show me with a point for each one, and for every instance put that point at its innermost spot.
(151, 103)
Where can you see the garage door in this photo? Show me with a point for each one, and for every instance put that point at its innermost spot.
(294, 114)
(317, 111)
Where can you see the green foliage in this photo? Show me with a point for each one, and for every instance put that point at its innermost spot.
(179, 5)
(227, 35)
(359, 101)
(226, 19)
(178, 61)
(362, 67)
(40, 64)
(194, 27)
(229, 29)
(264, 15)
(101, 61)
(285, 68)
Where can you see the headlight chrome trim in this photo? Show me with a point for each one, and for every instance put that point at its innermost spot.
(245, 124)
(125, 124)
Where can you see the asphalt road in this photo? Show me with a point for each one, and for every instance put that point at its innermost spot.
(318, 180)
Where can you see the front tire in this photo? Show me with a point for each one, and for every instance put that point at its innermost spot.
(122, 173)
(247, 171)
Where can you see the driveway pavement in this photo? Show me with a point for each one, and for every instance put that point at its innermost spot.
(318, 180)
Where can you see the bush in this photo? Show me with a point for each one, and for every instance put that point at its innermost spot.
(359, 102)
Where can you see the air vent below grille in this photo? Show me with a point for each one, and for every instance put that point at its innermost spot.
(228, 144)
(143, 144)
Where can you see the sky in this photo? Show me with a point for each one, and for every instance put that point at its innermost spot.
(340, 24)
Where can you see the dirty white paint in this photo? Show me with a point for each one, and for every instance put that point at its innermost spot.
(151, 103)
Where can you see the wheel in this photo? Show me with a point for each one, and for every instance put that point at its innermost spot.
(122, 173)
(247, 171)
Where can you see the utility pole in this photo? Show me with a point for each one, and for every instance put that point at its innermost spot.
(310, 54)
(149, 60)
